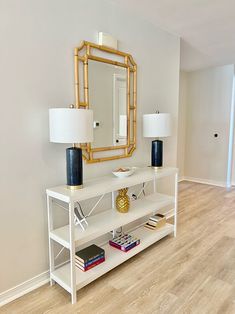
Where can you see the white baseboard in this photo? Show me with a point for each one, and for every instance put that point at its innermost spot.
(205, 181)
(23, 288)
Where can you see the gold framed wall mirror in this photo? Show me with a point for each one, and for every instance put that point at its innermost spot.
(105, 81)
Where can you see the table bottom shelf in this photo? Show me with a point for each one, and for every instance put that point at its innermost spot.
(114, 257)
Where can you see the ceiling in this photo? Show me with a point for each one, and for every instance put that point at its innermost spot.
(206, 27)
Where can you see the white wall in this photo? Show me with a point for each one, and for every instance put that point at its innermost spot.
(233, 160)
(233, 138)
(209, 94)
(182, 119)
(36, 62)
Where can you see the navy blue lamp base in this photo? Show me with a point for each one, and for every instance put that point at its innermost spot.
(74, 168)
(157, 154)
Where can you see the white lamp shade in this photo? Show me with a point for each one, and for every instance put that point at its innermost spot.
(157, 125)
(71, 125)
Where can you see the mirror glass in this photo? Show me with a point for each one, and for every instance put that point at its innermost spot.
(108, 100)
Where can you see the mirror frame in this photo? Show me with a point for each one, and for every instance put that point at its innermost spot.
(87, 51)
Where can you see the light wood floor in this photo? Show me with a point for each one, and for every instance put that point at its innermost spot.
(193, 273)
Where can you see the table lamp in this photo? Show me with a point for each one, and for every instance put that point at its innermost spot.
(70, 125)
(157, 125)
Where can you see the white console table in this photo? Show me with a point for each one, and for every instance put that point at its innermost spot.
(71, 236)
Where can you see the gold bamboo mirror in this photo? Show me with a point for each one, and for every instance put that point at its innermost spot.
(105, 81)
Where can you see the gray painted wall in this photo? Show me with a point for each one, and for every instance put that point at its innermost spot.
(36, 62)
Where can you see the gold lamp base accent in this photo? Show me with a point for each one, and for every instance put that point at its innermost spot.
(74, 187)
(156, 168)
(123, 201)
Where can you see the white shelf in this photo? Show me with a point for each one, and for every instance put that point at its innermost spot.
(111, 219)
(108, 184)
(114, 257)
(71, 278)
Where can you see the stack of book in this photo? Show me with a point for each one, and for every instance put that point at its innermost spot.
(155, 222)
(89, 257)
(124, 242)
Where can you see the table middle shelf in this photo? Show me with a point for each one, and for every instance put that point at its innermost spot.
(111, 219)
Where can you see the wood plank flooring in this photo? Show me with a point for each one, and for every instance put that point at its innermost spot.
(193, 273)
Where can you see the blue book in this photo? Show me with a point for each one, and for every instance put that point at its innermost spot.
(94, 260)
(89, 253)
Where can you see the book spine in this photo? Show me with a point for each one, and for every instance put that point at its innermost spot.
(131, 246)
(90, 262)
(91, 266)
(125, 248)
(88, 259)
(115, 245)
(149, 227)
(152, 223)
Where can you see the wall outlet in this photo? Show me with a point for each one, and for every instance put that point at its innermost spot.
(96, 124)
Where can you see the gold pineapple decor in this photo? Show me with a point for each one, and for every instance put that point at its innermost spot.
(123, 201)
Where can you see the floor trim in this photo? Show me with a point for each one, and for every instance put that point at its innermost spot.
(205, 181)
(23, 288)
